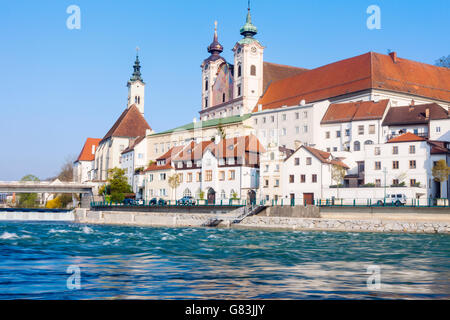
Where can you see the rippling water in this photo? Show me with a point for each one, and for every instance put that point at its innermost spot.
(195, 263)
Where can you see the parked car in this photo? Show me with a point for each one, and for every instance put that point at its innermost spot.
(186, 201)
(153, 202)
(162, 202)
(393, 199)
(129, 202)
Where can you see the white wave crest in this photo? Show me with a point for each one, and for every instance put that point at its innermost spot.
(87, 230)
(7, 235)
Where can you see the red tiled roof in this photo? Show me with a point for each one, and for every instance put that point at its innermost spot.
(367, 71)
(355, 111)
(86, 153)
(166, 156)
(415, 114)
(273, 72)
(324, 157)
(130, 124)
(406, 137)
(438, 147)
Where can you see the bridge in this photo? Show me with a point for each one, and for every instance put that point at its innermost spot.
(49, 187)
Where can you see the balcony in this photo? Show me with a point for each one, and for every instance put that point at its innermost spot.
(420, 134)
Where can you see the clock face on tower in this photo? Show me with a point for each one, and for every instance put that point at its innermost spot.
(253, 49)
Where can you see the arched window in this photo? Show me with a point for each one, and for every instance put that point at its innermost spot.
(139, 100)
(239, 70)
(187, 193)
(223, 97)
(356, 146)
(253, 70)
(206, 84)
(206, 102)
(135, 99)
(368, 142)
(232, 193)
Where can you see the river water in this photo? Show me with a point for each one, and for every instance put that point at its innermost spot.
(193, 263)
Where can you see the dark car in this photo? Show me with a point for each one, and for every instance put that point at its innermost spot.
(162, 202)
(129, 202)
(186, 201)
(153, 202)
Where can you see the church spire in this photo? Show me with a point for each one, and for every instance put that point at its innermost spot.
(248, 30)
(137, 68)
(215, 48)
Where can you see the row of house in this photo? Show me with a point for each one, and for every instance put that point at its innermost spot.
(379, 120)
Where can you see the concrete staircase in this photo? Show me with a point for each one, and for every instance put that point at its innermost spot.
(234, 217)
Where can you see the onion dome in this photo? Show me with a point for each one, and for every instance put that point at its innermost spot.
(137, 69)
(249, 30)
(215, 48)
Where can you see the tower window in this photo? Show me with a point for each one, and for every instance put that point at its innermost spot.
(135, 99)
(206, 102)
(239, 90)
(206, 85)
(223, 97)
(239, 70)
(253, 70)
(139, 100)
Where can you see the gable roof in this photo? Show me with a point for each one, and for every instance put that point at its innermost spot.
(322, 156)
(368, 71)
(86, 153)
(273, 72)
(414, 114)
(438, 147)
(172, 152)
(354, 111)
(131, 124)
(406, 137)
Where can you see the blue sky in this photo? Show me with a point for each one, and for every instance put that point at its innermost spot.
(60, 86)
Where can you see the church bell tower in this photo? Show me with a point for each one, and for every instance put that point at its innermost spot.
(136, 86)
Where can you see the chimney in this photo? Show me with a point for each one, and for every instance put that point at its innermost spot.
(393, 56)
(427, 113)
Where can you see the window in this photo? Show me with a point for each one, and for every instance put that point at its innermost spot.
(180, 177)
(264, 119)
(368, 142)
(297, 116)
(328, 149)
(221, 175)
(297, 130)
(189, 177)
(302, 178)
(377, 151)
(338, 134)
(231, 175)
(412, 182)
(253, 70)
(305, 114)
(360, 130)
(314, 178)
(305, 129)
(438, 129)
(297, 161)
(291, 178)
(334, 149)
(277, 168)
(206, 85)
(372, 129)
(277, 183)
(255, 120)
(223, 97)
(199, 176)
(208, 175)
(327, 135)
(162, 176)
(356, 146)
(412, 149)
(239, 90)
(239, 70)
(394, 150)
(206, 102)
(347, 132)
(283, 131)
(223, 195)
(272, 118)
(394, 164)
(150, 177)
(308, 161)
(266, 168)
(377, 183)
(272, 156)
(377, 165)
(412, 164)
(266, 183)
(395, 182)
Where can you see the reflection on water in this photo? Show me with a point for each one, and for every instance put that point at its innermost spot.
(189, 263)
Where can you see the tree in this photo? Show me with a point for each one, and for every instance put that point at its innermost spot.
(441, 172)
(443, 62)
(66, 172)
(174, 182)
(118, 184)
(28, 200)
(337, 174)
(54, 204)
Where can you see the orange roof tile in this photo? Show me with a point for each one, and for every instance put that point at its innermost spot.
(406, 137)
(86, 153)
(367, 71)
(354, 111)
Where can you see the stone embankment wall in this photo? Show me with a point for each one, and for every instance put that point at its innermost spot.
(372, 225)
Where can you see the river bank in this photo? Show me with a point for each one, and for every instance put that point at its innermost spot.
(329, 220)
